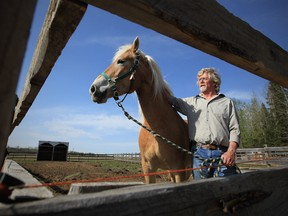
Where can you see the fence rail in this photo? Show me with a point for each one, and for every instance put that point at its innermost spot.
(242, 155)
(89, 157)
(266, 153)
(128, 157)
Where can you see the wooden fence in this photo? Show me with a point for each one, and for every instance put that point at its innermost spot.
(266, 155)
(128, 157)
(243, 155)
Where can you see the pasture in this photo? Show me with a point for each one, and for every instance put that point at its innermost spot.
(107, 170)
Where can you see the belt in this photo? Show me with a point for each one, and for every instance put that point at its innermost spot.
(207, 146)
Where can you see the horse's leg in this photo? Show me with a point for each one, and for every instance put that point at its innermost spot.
(175, 177)
(178, 177)
(172, 178)
(146, 143)
(150, 179)
(146, 170)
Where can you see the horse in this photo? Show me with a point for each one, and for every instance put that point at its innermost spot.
(134, 71)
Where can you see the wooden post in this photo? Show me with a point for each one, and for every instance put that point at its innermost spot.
(16, 19)
(61, 21)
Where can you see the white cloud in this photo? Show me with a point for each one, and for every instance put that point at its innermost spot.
(99, 132)
(112, 41)
(89, 125)
(240, 95)
(116, 41)
(245, 96)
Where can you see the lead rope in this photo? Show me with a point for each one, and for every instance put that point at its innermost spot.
(208, 161)
(154, 133)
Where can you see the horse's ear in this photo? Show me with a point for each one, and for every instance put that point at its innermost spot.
(135, 45)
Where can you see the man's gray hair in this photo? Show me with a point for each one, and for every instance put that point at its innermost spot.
(213, 75)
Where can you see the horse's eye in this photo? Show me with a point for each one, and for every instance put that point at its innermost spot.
(120, 61)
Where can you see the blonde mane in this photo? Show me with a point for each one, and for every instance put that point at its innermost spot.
(160, 85)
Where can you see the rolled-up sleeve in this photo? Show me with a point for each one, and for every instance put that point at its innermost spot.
(234, 128)
(179, 104)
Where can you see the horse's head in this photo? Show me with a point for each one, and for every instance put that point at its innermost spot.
(118, 78)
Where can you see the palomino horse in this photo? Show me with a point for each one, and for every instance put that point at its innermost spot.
(132, 70)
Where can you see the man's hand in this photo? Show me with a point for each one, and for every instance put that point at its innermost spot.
(229, 157)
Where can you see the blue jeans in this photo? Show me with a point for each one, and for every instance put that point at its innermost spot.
(204, 158)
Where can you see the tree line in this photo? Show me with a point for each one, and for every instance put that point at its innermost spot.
(264, 123)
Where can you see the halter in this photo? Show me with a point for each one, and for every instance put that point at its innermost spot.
(131, 72)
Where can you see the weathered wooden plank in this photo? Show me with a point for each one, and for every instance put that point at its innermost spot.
(61, 21)
(16, 18)
(255, 193)
(207, 26)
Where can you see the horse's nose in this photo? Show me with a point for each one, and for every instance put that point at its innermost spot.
(92, 89)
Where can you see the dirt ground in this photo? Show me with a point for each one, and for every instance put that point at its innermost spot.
(65, 172)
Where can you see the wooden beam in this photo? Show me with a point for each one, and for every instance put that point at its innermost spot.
(61, 21)
(207, 26)
(16, 18)
(256, 193)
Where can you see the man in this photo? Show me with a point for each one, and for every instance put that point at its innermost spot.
(213, 127)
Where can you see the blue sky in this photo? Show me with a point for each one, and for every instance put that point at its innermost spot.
(63, 110)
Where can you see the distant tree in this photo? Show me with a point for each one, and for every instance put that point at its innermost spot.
(256, 123)
(244, 121)
(277, 99)
(265, 125)
(253, 118)
(21, 149)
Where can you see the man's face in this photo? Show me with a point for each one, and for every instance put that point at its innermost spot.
(205, 83)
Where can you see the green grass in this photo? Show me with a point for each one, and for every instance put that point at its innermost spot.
(113, 164)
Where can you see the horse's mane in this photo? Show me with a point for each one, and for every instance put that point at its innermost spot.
(161, 87)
